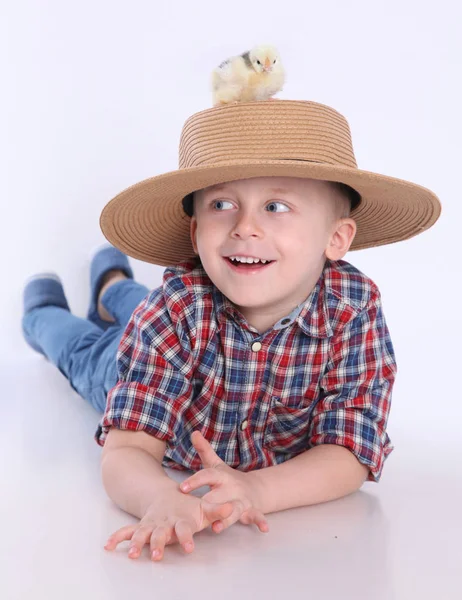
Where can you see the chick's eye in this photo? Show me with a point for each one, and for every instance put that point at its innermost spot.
(275, 204)
(218, 204)
(274, 61)
(258, 62)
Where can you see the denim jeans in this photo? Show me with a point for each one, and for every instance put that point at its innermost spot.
(83, 352)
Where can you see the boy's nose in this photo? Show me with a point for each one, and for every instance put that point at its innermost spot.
(246, 225)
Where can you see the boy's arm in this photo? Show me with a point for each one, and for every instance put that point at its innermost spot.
(143, 409)
(134, 479)
(320, 474)
(317, 475)
(132, 472)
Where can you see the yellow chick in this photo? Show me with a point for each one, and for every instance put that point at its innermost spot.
(254, 75)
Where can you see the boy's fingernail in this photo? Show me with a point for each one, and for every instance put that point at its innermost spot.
(188, 546)
(155, 553)
(185, 487)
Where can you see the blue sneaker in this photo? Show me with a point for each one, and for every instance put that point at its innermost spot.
(43, 289)
(105, 258)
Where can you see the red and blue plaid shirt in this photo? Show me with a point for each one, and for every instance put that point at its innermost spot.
(188, 360)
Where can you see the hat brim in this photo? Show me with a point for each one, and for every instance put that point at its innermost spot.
(146, 221)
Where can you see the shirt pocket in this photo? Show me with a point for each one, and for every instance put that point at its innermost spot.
(288, 424)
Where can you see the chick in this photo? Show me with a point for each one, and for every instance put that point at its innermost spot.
(254, 75)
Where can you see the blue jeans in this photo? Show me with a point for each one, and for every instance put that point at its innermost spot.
(83, 352)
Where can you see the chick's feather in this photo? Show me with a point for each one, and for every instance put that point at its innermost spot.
(254, 75)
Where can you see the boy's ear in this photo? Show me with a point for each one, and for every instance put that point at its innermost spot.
(341, 239)
(193, 232)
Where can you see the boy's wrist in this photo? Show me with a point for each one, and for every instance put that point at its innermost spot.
(164, 487)
(257, 486)
(133, 479)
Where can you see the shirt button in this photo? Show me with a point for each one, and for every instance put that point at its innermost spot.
(285, 321)
(244, 424)
(256, 346)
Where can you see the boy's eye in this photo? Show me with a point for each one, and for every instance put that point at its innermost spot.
(218, 204)
(274, 204)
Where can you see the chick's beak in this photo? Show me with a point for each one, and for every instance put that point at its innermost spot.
(267, 64)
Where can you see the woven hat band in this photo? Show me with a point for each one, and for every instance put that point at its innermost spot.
(274, 130)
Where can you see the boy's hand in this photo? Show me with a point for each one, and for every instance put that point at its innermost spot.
(172, 517)
(228, 485)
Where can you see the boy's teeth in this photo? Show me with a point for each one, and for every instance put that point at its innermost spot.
(247, 260)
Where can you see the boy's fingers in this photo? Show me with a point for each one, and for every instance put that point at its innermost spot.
(248, 517)
(158, 541)
(207, 454)
(185, 535)
(121, 535)
(208, 477)
(235, 515)
(255, 516)
(216, 512)
(139, 539)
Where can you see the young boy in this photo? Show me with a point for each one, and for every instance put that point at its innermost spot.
(263, 362)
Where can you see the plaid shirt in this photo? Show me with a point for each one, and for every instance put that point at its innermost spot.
(189, 360)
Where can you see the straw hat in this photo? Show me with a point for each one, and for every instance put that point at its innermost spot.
(267, 138)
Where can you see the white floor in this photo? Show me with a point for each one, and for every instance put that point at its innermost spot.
(398, 539)
(95, 96)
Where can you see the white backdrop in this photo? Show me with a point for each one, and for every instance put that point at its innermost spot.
(94, 95)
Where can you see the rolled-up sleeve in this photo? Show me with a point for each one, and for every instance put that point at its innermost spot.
(356, 389)
(154, 366)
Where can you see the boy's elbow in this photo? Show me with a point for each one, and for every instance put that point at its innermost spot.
(361, 475)
(353, 472)
(358, 471)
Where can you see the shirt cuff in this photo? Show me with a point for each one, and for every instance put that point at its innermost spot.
(372, 458)
(132, 406)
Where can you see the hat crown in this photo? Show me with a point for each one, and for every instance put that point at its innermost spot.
(268, 130)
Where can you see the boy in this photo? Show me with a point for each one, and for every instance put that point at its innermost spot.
(263, 362)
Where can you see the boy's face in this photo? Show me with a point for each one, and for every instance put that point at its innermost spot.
(289, 221)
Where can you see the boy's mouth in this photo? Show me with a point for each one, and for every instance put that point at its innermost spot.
(247, 268)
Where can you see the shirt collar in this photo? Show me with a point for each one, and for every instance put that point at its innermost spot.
(311, 315)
